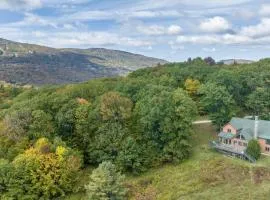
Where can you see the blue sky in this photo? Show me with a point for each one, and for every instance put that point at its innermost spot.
(169, 29)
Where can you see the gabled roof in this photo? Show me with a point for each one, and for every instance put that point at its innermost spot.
(246, 127)
(247, 133)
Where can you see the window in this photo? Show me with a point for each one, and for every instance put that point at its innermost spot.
(229, 130)
(245, 144)
(234, 142)
(267, 149)
(240, 143)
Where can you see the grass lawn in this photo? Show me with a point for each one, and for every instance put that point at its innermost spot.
(205, 175)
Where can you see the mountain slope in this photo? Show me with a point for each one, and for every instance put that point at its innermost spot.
(33, 64)
(115, 58)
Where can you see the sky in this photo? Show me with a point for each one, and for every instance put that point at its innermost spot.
(170, 29)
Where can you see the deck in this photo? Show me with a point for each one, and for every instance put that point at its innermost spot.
(230, 150)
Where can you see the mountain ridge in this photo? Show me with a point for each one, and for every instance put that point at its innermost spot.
(25, 63)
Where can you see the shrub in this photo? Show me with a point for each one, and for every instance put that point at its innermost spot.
(254, 149)
(106, 183)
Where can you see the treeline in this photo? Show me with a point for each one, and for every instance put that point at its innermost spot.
(135, 123)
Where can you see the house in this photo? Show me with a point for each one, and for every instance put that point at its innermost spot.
(239, 131)
(235, 135)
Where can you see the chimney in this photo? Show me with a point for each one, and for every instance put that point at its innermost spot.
(256, 126)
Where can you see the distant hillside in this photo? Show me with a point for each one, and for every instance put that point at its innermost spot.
(115, 58)
(236, 61)
(34, 64)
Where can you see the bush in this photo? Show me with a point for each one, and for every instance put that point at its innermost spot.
(254, 149)
(106, 183)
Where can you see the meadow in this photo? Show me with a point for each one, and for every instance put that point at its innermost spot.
(205, 175)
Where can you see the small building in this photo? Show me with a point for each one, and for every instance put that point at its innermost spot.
(235, 135)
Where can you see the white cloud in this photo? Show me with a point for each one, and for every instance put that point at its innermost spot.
(94, 39)
(260, 30)
(212, 3)
(152, 14)
(92, 15)
(20, 4)
(215, 24)
(121, 14)
(156, 4)
(73, 38)
(30, 20)
(197, 39)
(72, 2)
(227, 39)
(174, 46)
(152, 30)
(244, 14)
(38, 34)
(265, 10)
(68, 26)
(159, 30)
(174, 30)
(209, 49)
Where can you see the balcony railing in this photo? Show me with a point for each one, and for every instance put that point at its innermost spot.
(232, 150)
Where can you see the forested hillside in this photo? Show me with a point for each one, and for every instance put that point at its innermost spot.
(24, 63)
(129, 124)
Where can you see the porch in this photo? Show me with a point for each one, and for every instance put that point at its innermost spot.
(230, 150)
(232, 142)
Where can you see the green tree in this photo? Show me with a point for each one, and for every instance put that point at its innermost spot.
(164, 117)
(218, 103)
(254, 149)
(9, 149)
(42, 125)
(106, 183)
(83, 132)
(107, 142)
(259, 102)
(5, 168)
(115, 112)
(233, 83)
(132, 157)
(65, 119)
(17, 123)
(115, 107)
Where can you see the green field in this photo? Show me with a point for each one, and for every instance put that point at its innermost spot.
(206, 175)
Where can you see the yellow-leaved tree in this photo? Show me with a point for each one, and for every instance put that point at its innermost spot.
(192, 86)
(44, 171)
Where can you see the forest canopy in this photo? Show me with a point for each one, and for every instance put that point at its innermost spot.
(134, 122)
